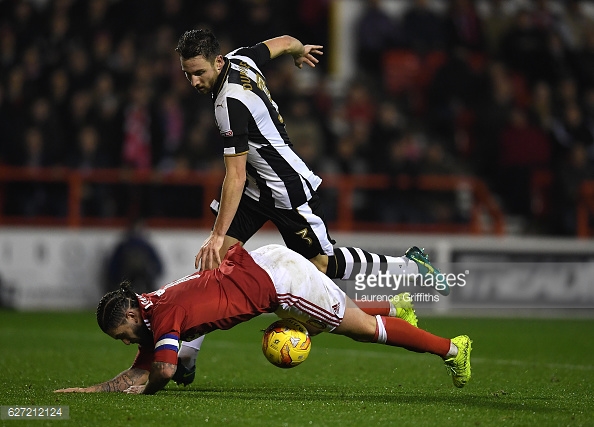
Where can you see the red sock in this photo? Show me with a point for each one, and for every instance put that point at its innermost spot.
(374, 308)
(402, 334)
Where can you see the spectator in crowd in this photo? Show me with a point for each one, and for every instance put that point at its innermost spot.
(463, 27)
(495, 24)
(8, 48)
(576, 167)
(585, 60)
(135, 259)
(423, 28)
(49, 124)
(376, 32)
(541, 109)
(493, 114)
(68, 65)
(400, 202)
(35, 198)
(523, 45)
(572, 129)
(523, 149)
(96, 198)
(452, 92)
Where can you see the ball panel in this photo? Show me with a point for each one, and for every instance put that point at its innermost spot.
(286, 343)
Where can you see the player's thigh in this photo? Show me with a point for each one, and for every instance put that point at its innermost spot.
(247, 220)
(304, 229)
(356, 324)
(303, 292)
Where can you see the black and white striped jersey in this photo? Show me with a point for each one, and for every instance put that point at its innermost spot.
(249, 121)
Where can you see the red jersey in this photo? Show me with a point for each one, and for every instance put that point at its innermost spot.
(202, 302)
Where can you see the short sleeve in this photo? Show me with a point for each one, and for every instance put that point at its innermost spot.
(233, 118)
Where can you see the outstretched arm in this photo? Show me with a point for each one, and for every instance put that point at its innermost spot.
(301, 53)
(160, 375)
(123, 381)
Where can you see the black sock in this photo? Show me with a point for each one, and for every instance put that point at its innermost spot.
(347, 263)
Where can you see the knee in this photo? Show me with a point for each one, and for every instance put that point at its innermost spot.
(321, 262)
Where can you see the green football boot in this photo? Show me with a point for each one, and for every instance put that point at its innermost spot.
(404, 308)
(427, 269)
(459, 366)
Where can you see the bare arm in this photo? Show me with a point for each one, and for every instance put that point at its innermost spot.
(160, 375)
(209, 256)
(128, 378)
(301, 53)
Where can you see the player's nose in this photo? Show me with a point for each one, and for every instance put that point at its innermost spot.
(126, 341)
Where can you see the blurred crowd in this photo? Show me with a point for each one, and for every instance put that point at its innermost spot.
(503, 90)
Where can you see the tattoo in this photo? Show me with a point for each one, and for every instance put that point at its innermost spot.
(130, 377)
(163, 367)
(160, 374)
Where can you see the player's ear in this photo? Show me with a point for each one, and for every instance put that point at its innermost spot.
(219, 63)
(133, 315)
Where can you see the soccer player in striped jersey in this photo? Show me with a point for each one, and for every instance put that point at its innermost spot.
(269, 279)
(265, 179)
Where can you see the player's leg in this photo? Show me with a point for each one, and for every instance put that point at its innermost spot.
(244, 225)
(304, 231)
(347, 262)
(186, 361)
(307, 295)
(395, 332)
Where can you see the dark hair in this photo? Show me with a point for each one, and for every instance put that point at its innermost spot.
(198, 43)
(112, 307)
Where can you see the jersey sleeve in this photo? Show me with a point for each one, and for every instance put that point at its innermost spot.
(259, 53)
(167, 333)
(144, 358)
(232, 118)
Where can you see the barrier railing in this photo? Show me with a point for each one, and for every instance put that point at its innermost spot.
(485, 215)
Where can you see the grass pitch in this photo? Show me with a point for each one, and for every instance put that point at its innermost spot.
(525, 372)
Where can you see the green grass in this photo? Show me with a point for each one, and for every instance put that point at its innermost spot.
(525, 372)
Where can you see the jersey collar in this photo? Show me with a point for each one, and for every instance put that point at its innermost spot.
(221, 79)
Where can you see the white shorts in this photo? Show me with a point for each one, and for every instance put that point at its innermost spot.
(304, 293)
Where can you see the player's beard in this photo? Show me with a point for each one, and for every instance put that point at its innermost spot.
(144, 335)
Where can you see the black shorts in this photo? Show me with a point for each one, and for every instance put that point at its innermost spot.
(303, 229)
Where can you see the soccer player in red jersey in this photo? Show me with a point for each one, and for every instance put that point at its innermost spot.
(245, 285)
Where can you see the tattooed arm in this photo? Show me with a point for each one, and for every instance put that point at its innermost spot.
(129, 378)
(159, 376)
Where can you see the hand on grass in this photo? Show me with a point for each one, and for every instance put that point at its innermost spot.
(135, 389)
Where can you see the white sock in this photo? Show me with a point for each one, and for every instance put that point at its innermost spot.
(393, 312)
(188, 352)
(382, 335)
(359, 261)
(453, 351)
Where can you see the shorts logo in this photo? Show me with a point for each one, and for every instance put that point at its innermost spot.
(336, 308)
(227, 133)
(303, 235)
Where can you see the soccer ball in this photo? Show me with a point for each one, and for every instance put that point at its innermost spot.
(286, 343)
